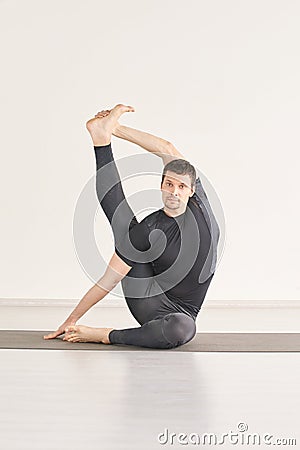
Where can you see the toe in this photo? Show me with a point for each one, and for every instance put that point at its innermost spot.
(120, 106)
(69, 338)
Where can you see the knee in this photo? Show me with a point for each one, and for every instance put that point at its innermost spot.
(178, 329)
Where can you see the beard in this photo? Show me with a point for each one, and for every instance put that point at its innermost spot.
(172, 203)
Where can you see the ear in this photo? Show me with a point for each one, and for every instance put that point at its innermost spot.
(193, 192)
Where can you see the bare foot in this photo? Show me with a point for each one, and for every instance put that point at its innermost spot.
(102, 125)
(81, 333)
(105, 113)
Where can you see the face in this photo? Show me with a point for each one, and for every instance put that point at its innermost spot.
(176, 191)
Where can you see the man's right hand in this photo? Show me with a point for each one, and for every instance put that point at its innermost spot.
(60, 330)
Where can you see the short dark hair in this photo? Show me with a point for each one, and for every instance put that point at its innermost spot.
(181, 167)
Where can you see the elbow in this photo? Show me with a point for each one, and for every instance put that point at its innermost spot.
(107, 283)
(170, 151)
(168, 147)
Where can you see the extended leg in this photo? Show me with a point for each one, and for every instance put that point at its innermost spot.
(110, 193)
(108, 184)
(116, 208)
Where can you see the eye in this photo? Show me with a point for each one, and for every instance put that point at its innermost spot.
(181, 186)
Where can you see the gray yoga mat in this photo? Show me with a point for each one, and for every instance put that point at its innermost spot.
(202, 342)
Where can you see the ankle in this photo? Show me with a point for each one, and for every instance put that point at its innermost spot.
(99, 134)
(101, 141)
(106, 338)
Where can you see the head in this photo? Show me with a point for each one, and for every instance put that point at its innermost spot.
(177, 185)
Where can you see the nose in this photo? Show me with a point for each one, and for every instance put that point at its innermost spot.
(175, 191)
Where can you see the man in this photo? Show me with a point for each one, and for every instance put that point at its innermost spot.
(166, 262)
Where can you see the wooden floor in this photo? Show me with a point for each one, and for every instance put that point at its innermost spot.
(55, 400)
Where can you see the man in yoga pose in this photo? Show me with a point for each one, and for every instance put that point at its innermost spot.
(165, 290)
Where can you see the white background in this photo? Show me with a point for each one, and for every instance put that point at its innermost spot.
(220, 80)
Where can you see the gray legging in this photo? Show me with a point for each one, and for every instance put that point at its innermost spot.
(164, 324)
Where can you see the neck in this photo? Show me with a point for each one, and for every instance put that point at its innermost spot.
(173, 213)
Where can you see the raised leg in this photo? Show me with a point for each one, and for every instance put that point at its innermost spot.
(121, 217)
(108, 184)
(110, 193)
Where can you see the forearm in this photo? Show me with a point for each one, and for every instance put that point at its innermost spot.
(93, 296)
(149, 142)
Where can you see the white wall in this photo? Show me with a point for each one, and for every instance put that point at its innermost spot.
(218, 79)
